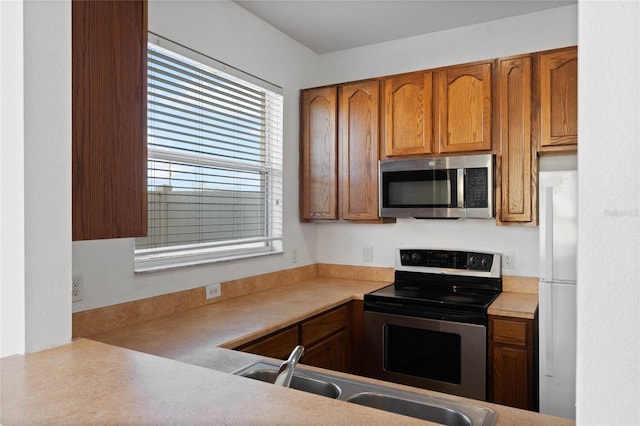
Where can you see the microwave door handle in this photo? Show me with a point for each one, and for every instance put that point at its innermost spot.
(460, 188)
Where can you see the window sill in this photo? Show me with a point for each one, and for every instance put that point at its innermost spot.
(157, 265)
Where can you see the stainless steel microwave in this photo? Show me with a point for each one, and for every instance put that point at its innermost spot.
(437, 187)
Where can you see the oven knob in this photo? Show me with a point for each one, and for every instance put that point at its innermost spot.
(484, 262)
(416, 258)
(473, 261)
(405, 258)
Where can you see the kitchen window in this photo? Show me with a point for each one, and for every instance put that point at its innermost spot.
(214, 161)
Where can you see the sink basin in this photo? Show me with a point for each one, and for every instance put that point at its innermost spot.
(375, 395)
(419, 410)
(298, 382)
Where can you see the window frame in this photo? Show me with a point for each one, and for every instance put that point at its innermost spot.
(177, 256)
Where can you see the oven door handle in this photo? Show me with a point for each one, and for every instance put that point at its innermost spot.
(431, 313)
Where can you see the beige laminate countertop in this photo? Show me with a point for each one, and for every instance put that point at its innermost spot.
(89, 382)
(192, 335)
(519, 305)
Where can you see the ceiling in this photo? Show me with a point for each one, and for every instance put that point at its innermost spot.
(330, 25)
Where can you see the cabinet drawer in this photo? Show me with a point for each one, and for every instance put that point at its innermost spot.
(510, 332)
(277, 345)
(323, 325)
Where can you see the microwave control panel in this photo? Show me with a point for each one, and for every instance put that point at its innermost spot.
(475, 185)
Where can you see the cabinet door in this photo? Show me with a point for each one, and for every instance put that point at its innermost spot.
(359, 150)
(512, 362)
(331, 353)
(558, 92)
(277, 345)
(318, 154)
(407, 114)
(514, 126)
(510, 376)
(109, 114)
(463, 102)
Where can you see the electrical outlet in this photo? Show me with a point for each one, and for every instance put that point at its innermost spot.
(508, 260)
(77, 288)
(213, 291)
(367, 253)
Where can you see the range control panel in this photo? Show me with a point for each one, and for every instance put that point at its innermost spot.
(447, 259)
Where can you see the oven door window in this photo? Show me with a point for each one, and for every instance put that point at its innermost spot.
(429, 354)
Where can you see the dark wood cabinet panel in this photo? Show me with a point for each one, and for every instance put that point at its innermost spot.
(332, 353)
(463, 105)
(356, 329)
(517, 159)
(408, 119)
(326, 338)
(323, 325)
(510, 376)
(512, 362)
(319, 154)
(277, 345)
(109, 51)
(358, 112)
(557, 92)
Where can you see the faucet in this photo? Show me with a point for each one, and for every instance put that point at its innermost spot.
(285, 373)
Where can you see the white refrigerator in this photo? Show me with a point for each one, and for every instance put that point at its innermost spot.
(558, 194)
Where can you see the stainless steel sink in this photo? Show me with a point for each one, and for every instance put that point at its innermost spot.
(302, 383)
(425, 407)
(419, 410)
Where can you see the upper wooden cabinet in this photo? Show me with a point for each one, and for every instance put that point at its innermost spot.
(463, 102)
(516, 107)
(513, 110)
(318, 154)
(358, 114)
(557, 93)
(339, 152)
(408, 101)
(109, 115)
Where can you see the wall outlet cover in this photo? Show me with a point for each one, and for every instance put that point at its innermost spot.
(508, 260)
(213, 291)
(77, 288)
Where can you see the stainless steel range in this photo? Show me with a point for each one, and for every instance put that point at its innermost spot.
(429, 328)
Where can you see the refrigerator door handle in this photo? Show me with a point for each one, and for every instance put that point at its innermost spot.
(547, 304)
(547, 233)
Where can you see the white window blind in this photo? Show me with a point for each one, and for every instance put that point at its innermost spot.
(214, 161)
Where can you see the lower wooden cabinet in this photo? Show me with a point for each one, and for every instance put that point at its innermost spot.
(331, 353)
(513, 362)
(326, 338)
(276, 345)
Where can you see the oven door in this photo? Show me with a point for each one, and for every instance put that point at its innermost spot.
(432, 354)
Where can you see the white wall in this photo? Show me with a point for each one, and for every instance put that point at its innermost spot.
(343, 243)
(231, 35)
(36, 245)
(521, 34)
(12, 179)
(608, 368)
